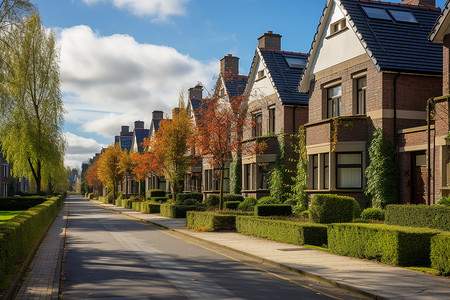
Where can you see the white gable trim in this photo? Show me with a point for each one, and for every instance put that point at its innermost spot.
(441, 28)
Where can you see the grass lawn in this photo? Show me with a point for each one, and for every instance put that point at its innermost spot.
(6, 215)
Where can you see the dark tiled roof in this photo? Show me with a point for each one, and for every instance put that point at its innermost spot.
(235, 84)
(285, 78)
(126, 142)
(398, 46)
(197, 107)
(155, 125)
(140, 135)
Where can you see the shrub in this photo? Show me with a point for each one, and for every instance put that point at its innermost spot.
(155, 193)
(159, 199)
(305, 214)
(183, 196)
(444, 201)
(175, 211)
(268, 200)
(248, 204)
(110, 198)
(189, 202)
(392, 245)
(233, 197)
(148, 207)
(440, 253)
(435, 216)
(20, 234)
(233, 205)
(295, 233)
(209, 221)
(373, 214)
(356, 209)
(331, 209)
(273, 210)
(128, 203)
(136, 205)
(212, 201)
(20, 203)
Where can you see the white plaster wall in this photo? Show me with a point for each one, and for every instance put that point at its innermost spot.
(260, 88)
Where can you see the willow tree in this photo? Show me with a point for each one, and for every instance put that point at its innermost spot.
(31, 107)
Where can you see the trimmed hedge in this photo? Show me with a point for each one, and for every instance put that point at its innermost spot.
(328, 208)
(435, 216)
(159, 199)
(176, 211)
(248, 204)
(263, 210)
(128, 203)
(155, 193)
(136, 205)
(149, 207)
(181, 197)
(440, 253)
(209, 221)
(233, 205)
(295, 233)
(393, 245)
(232, 197)
(212, 201)
(20, 203)
(373, 213)
(19, 235)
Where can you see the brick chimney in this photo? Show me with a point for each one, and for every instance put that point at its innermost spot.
(125, 131)
(157, 115)
(116, 139)
(196, 92)
(423, 3)
(138, 125)
(269, 41)
(229, 64)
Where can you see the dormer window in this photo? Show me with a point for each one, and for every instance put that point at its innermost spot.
(221, 92)
(338, 26)
(260, 74)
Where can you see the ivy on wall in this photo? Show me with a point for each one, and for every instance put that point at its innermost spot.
(236, 176)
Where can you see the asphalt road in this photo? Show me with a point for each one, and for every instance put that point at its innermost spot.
(109, 255)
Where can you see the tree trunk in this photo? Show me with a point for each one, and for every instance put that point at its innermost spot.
(126, 187)
(221, 189)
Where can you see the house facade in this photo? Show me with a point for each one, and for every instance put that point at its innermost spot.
(275, 107)
(370, 66)
(4, 176)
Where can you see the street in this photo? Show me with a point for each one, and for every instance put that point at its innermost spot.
(109, 255)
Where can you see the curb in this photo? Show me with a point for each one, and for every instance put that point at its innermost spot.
(257, 258)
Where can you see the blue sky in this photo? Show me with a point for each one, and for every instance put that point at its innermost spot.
(122, 59)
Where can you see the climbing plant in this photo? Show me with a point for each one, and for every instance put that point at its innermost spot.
(300, 178)
(236, 175)
(277, 175)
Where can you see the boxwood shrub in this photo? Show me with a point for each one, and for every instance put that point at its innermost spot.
(181, 197)
(159, 199)
(248, 204)
(233, 205)
(434, 216)
(210, 221)
(212, 201)
(176, 211)
(373, 213)
(394, 245)
(440, 253)
(273, 210)
(20, 234)
(20, 203)
(232, 197)
(295, 233)
(155, 193)
(327, 208)
(149, 207)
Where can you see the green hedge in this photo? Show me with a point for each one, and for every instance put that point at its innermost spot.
(233, 205)
(159, 199)
(263, 210)
(212, 201)
(373, 213)
(149, 207)
(394, 245)
(435, 216)
(20, 203)
(232, 197)
(184, 196)
(295, 233)
(440, 253)
(136, 205)
(329, 208)
(176, 211)
(128, 203)
(209, 221)
(155, 193)
(19, 235)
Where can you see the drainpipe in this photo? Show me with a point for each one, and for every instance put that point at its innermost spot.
(293, 119)
(429, 150)
(395, 113)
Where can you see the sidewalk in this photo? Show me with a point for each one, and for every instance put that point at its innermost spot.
(370, 278)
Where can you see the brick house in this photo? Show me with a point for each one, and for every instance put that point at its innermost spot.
(275, 106)
(153, 181)
(4, 176)
(370, 66)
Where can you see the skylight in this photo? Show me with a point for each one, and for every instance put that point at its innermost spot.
(376, 13)
(295, 62)
(403, 16)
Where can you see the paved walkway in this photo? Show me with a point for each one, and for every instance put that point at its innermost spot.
(367, 277)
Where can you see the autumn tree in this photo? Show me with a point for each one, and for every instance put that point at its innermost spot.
(109, 169)
(93, 179)
(31, 107)
(143, 164)
(126, 165)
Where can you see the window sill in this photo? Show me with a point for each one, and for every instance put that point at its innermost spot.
(260, 78)
(336, 33)
(336, 191)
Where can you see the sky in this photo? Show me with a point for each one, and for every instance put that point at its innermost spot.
(122, 59)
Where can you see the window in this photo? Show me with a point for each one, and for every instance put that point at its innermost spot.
(5, 171)
(326, 171)
(221, 92)
(257, 123)
(295, 62)
(226, 180)
(349, 170)
(260, 74)
(248, 178)
(264, 173)
(361, 94)
(338, 26)
(376, 13)
(272, 119)
(4, 189)
(315, 172)
(334, 101)
(403, 16)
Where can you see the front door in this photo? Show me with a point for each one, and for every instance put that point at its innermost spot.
(419, 166)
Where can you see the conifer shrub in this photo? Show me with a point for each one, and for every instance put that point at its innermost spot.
(263, 210)
(394, 245)
(440, 253)
(295, 233)
(210, 221)
(328, 208)
(434, 216)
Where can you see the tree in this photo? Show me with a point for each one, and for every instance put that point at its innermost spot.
(300, 180)
(31, 107)
(143, 164)
(382, 173)
(93, 178)
(126, 165)
(109, 169)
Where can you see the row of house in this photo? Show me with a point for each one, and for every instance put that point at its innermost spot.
(371, 64)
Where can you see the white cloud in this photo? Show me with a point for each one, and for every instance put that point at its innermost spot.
(158, 10)
(109, 81)
(80, 149)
